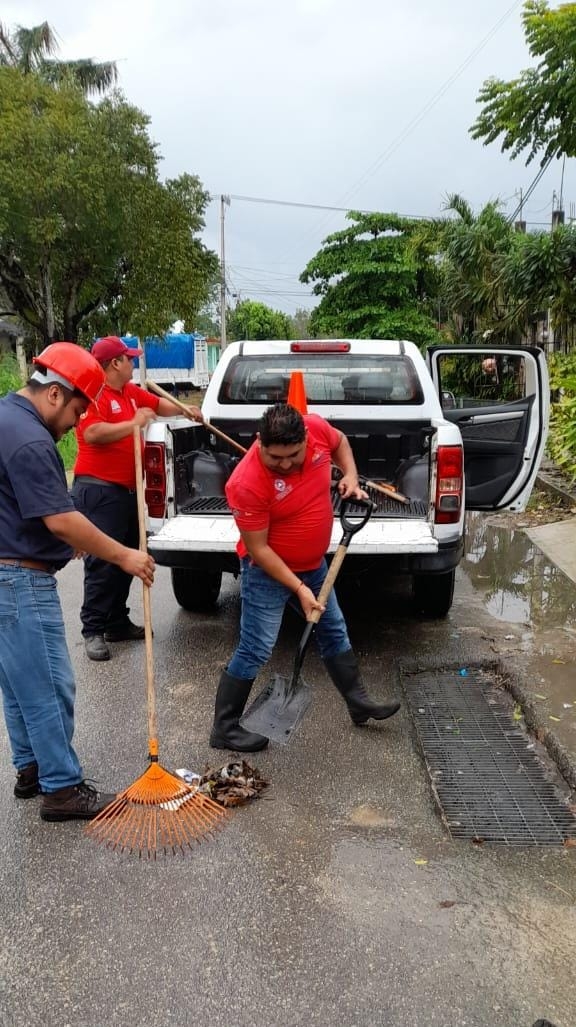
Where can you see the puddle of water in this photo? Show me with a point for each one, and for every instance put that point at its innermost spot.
(518, 583)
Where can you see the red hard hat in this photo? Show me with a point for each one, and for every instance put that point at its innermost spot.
(75, 365)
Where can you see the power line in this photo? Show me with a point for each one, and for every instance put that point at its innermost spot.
(407, 217)
(531, 188)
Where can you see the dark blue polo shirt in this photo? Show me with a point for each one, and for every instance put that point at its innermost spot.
(32, 485)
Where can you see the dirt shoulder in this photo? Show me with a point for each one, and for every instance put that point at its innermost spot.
(543, 508)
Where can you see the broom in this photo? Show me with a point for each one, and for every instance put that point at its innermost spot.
(159, 812)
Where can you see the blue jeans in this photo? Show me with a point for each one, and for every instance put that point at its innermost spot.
(263, 604)
(36, 677)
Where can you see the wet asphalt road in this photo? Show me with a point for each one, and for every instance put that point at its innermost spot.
(321, 904)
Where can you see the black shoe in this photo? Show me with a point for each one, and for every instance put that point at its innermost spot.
(27, 784)
(345, 673)
(226, 732)
(96, 648)
(77, 802)
(127, 632)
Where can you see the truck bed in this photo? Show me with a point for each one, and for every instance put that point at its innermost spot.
(391, 529)
(384, 508)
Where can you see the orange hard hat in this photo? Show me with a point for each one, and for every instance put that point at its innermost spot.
(72, 366)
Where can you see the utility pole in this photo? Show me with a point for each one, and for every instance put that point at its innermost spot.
(224, 202)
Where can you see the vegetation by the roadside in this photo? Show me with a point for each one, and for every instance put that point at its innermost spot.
(562, 437)
(68, 448)
(10, 379)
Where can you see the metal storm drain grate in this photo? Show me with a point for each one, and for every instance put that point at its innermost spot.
(485, 772)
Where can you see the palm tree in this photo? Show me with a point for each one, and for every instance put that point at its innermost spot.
(30, 50)
(474, 251)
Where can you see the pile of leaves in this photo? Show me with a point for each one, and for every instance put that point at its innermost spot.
(234, 784)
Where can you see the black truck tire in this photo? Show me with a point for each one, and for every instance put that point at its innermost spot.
(196, 590)
(433, 593)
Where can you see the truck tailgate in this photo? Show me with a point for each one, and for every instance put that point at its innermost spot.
(220, 534)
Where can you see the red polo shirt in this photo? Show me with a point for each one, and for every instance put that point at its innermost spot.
(296, 508)
(113, 461)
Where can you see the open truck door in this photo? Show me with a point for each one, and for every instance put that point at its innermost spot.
(500, 400)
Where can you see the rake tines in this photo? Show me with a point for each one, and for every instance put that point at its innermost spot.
(158, 813)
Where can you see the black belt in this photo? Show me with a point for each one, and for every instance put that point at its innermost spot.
(87, 479)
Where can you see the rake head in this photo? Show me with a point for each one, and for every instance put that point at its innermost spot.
(158, 813)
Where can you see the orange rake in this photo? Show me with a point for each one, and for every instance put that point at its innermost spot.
(159, 812)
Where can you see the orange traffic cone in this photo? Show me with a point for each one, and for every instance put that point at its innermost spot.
(297, 392)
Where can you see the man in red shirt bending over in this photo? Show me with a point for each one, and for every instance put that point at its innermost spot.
(279, 495)
(104, 489)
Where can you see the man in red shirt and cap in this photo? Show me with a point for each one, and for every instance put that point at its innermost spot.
(280, 498)
(104, 489)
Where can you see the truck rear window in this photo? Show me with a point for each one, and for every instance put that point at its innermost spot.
(346, 379)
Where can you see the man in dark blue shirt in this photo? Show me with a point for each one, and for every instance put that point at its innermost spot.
(40, 530)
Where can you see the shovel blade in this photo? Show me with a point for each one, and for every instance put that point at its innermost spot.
(277, 711)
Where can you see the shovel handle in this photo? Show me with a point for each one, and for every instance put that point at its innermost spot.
(328, 583)
(349, 528)
(186, 410)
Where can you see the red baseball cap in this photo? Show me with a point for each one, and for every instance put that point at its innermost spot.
(112, 346)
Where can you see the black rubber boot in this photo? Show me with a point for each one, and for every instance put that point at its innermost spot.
(230, 702)
(345, 673)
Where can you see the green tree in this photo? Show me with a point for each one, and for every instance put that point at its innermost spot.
(536, 111)
(90, 240)
(474, 251)
(207, 321)
(377, 279)
(31, 52)
(251, 320)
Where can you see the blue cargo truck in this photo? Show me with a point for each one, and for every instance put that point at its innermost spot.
(183, 360)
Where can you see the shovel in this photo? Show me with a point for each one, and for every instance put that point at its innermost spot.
(277, 711)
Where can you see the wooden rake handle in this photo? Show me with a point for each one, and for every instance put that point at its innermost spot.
(186, 410)
(150, 686)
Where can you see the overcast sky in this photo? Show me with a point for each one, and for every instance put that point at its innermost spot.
(362, 105)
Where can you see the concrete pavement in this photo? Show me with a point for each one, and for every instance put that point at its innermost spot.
(336, 899)
(558, 542)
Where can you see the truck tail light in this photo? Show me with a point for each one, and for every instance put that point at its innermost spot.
(320, 347)
(155, 468)
(449, 484)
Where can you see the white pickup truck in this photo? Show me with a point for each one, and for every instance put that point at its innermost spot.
(463, 429)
